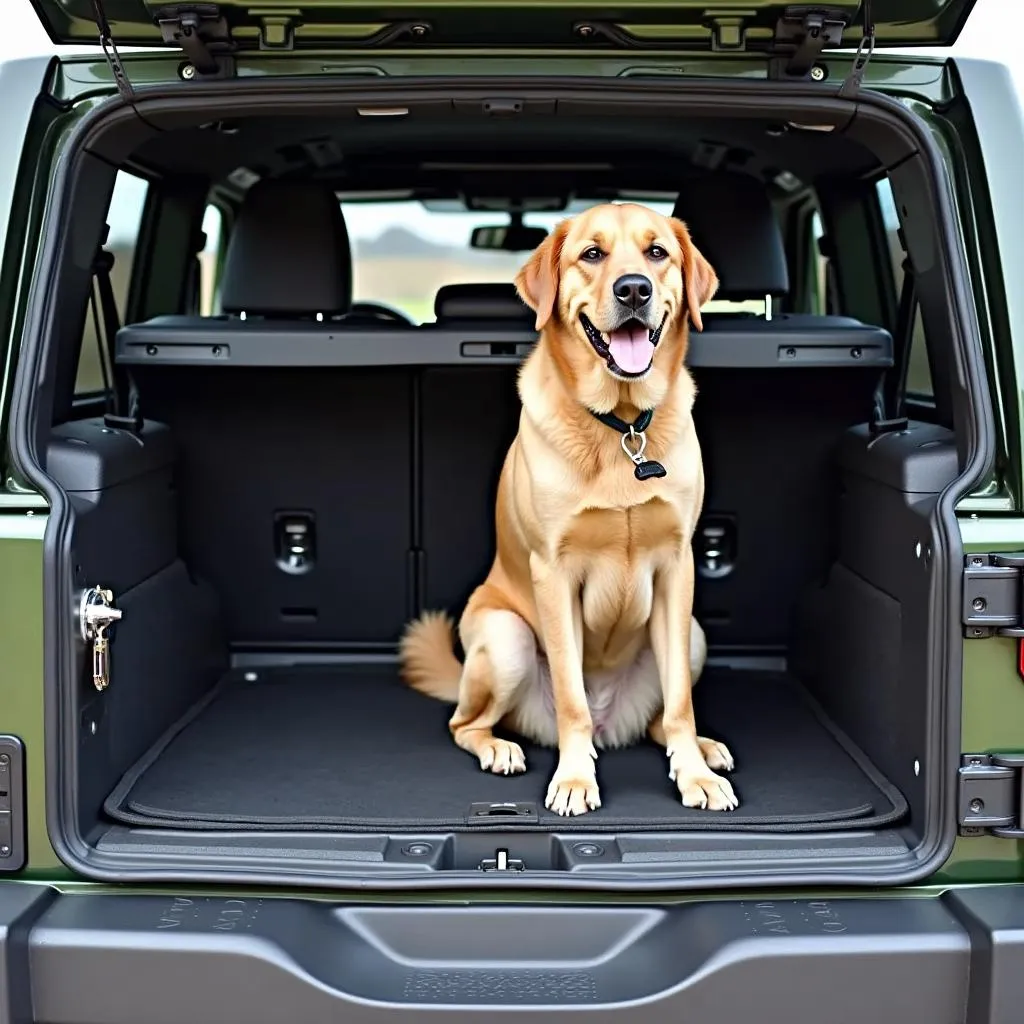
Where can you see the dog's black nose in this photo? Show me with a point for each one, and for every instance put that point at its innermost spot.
(633, 290)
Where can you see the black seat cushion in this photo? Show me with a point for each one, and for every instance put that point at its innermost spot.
(480, 301)
(731, 220)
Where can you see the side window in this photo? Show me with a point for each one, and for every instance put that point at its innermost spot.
(124, 217)
(919, 377)
(209, 262)
(820, 283)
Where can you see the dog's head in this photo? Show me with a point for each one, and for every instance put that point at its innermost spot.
(615, 287)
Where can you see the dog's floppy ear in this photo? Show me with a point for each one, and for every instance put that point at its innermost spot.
(537, 281)
(699, 278)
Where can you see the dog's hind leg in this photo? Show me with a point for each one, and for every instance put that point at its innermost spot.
(501, 657)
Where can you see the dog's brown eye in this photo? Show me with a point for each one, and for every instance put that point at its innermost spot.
(592, 255)
(656, 252)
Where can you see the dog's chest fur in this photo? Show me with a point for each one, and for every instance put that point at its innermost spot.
(615, 552)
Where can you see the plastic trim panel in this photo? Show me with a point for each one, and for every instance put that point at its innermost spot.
(169, 959)
(187, 341)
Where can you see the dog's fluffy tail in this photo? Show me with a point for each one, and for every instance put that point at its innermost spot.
(427, 655)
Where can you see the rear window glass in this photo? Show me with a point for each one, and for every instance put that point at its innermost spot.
(403, 252)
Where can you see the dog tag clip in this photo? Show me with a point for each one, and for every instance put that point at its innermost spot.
(644, 469)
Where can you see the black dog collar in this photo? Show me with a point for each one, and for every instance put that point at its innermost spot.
(634, 441)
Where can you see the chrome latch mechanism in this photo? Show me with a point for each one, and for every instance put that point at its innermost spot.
(501, 861)
(96, 614)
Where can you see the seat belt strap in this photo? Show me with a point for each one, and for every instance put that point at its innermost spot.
(890, 411)
(126, 414)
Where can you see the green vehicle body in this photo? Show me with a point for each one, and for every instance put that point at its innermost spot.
(47, 98)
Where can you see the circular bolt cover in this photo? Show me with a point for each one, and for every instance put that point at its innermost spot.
(5, 851)
(588, 850)
(585, 30)
(4, 759)
(420, 30)
(187, 71)
(418, 850)
(818, 73)
(979, 604)
(977, 806)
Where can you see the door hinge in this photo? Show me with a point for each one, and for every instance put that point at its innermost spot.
(989, 795)
(199, 29)
(802, 32)
(992, 595)
(203, 33)
(12, 804)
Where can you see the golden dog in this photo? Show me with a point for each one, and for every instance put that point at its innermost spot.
(582, 634)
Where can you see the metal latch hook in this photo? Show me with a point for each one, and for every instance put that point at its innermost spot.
(96, 614)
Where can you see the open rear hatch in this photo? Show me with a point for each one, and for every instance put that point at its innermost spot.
(756, 26)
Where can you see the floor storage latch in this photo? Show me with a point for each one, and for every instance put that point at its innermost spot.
(501, 861)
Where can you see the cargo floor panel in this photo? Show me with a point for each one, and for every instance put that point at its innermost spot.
(350, 747)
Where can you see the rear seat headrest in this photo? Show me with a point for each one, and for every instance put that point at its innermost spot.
(288, 253)
(479, 302)
(731, 221)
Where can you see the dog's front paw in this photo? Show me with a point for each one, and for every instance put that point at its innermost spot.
(569, 796)
(716, 754)
(502, 757)
(573, 788)
(699, 786)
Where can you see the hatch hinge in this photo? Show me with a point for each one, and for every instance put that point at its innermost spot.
(802, 32)
(992, 601)
(203, 33)
(989, 795)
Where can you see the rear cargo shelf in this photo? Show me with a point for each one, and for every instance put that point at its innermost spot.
(348, 747)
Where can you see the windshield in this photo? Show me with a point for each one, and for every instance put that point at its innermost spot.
(404, 252)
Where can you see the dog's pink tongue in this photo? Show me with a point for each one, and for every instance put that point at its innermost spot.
(631, 348)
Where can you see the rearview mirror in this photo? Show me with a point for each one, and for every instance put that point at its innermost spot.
(507, 237)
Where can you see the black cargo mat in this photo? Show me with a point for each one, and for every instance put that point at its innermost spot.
(351, 748)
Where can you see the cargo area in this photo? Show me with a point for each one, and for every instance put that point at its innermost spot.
(352, 748)
(244, 697)
(303, 471)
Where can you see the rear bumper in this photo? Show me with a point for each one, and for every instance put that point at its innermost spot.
(112, 959)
